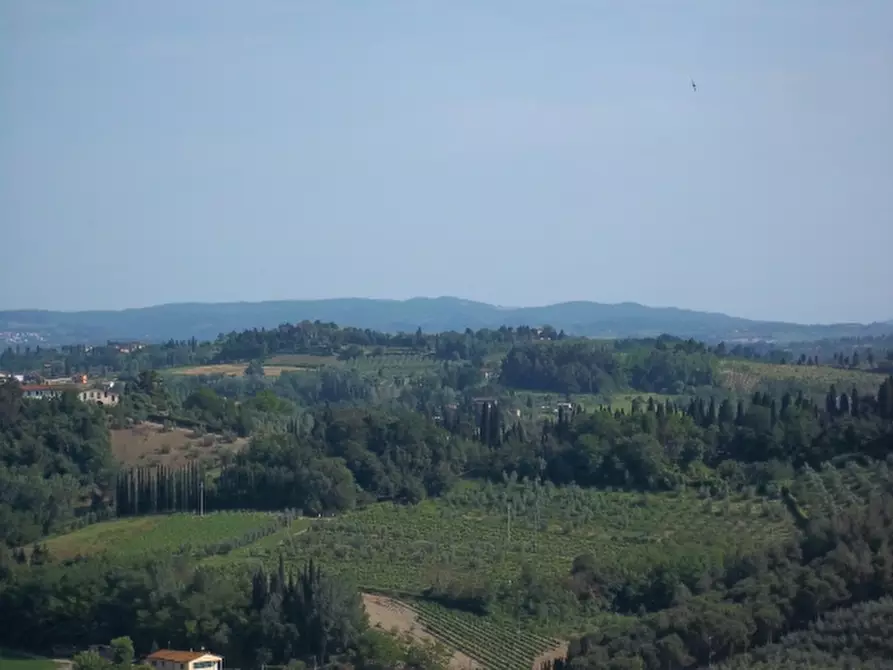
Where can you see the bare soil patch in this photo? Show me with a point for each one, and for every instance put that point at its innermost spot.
(226, 369)
(389, 614)
(149, 444)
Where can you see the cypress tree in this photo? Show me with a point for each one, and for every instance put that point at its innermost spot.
(884, 399)
(831, 401)
(282, 582)
(485, 423)
(495, 426)
(785, 404)
(726, 415)
(136, 491)
(711, 417)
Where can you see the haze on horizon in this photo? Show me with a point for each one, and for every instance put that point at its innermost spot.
(516, 153)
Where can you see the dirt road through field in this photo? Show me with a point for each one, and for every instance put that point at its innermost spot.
(389, 614)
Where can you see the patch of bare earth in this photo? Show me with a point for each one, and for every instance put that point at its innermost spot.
(555, 653)
(234, 370)
(149, 444)
(389, 614)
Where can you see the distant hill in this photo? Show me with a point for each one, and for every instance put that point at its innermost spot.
(207, 320)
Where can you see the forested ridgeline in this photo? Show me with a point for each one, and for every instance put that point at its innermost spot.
(326, 340)
(307, 338)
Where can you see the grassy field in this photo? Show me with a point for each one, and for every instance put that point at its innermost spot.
(300, 361)
(396, 366)
(149, 444)
(13, 660)
(139, 536)
(745, 377)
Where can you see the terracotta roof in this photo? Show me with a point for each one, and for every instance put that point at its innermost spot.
(178, 656)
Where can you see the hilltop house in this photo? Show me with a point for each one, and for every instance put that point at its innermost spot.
(127, 347)
(168, 659)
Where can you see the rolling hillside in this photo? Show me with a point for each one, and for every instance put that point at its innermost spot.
(207, 320)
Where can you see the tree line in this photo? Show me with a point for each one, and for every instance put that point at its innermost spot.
(662, 365)
(303, 618)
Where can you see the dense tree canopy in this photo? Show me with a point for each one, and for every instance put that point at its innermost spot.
(842, 561)
(53, 454)
(665, 365)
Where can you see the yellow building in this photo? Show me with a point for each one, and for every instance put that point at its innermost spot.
(168, 659)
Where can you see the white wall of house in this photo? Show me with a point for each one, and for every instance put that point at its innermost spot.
(206, 662)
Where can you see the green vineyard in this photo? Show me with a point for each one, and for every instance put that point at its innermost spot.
(830, 489)
(488, 535)
(494, 645)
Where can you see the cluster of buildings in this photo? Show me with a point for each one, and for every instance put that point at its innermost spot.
(35, 387)
(126, 346)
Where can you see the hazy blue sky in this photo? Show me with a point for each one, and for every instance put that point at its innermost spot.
(514, 152)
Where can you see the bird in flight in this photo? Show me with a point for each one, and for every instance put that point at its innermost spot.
(694, 86)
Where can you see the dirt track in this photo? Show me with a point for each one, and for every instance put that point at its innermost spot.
(389, 614)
